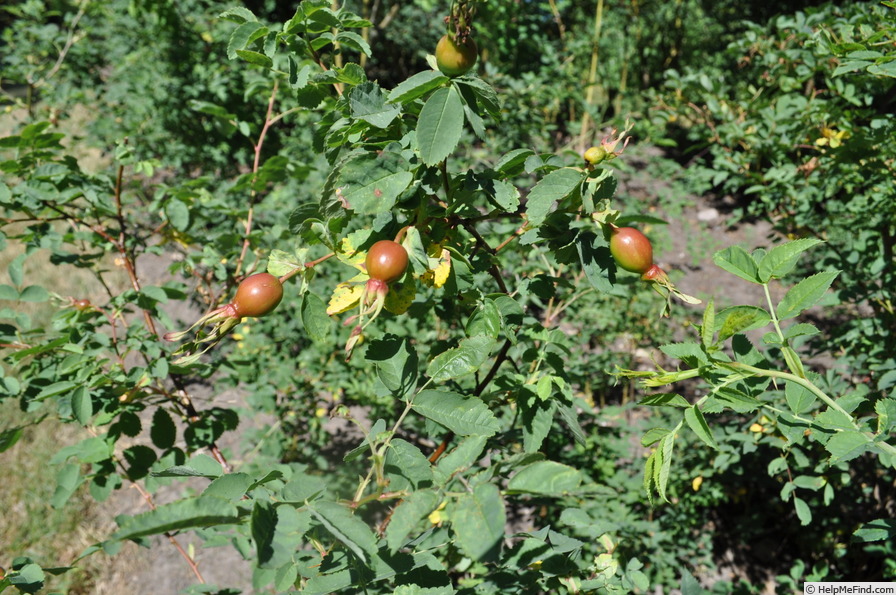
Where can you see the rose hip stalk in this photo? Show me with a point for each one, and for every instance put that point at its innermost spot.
(256, 295)
(386, 262)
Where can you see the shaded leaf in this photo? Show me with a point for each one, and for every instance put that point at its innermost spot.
(478, 520)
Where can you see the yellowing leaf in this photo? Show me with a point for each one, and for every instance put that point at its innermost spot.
(401, 296)
(440, 266)
(348, 251)
(698, 481)
(345, 297)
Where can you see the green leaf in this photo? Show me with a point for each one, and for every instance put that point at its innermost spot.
(802, 511)
(780, 260)
(255, 58)
(302, 487)
(885, 409)
(802, 329)
(315, 319)
(734, 399)
(16, 270)
(354, 533)
(664, 400)
(462, 360)
(570, 417)
(552, 188)
(547, 478)
(417, 86)
(89, 450)
(263, 524)
(396, 363)
(68, 479)
(178, 214)
(465, 416)
(82, 405)
(663, 468)
(883, 69)
(483, 93)
(281, 262)
(737, 261)
(690, 353)
(596, 260)
(847, 445)
(799, 398)
(407, 515)
(440, 125)
(163, 432)
(230, 486)
(200, 466)
(244, 35)
(406, 467)
(9, 293)
(708, 328)
(8, 438)
(485, 320)
(537, 418)
(238, 14)
(805, 294)
(352, 40)
(654, 435)
(467, 452)
(690, 585)
(877, 530)
(55, 389)
(698, 424)
(204, 511)
(371, 182)
(478, 520)
(513, 163)
(34, 293)
(368, 103)
(27, 579)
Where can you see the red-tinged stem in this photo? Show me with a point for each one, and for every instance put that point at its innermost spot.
(253, 198)
(307, 265)
(190, 561)
(515, 235)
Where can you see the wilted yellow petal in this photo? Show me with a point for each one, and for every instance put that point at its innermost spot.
(345, 297)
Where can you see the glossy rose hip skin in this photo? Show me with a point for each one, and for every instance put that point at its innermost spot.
(453, 58)
(386, 261)
(631, 249)
(257, 295)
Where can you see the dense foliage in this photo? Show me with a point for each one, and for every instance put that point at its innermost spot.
(420, 279)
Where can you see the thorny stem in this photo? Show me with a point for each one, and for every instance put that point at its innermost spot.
(69, 41)
(378, 456)
(804, 382)
(253, 198)
(190, 561)
(183, 397)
